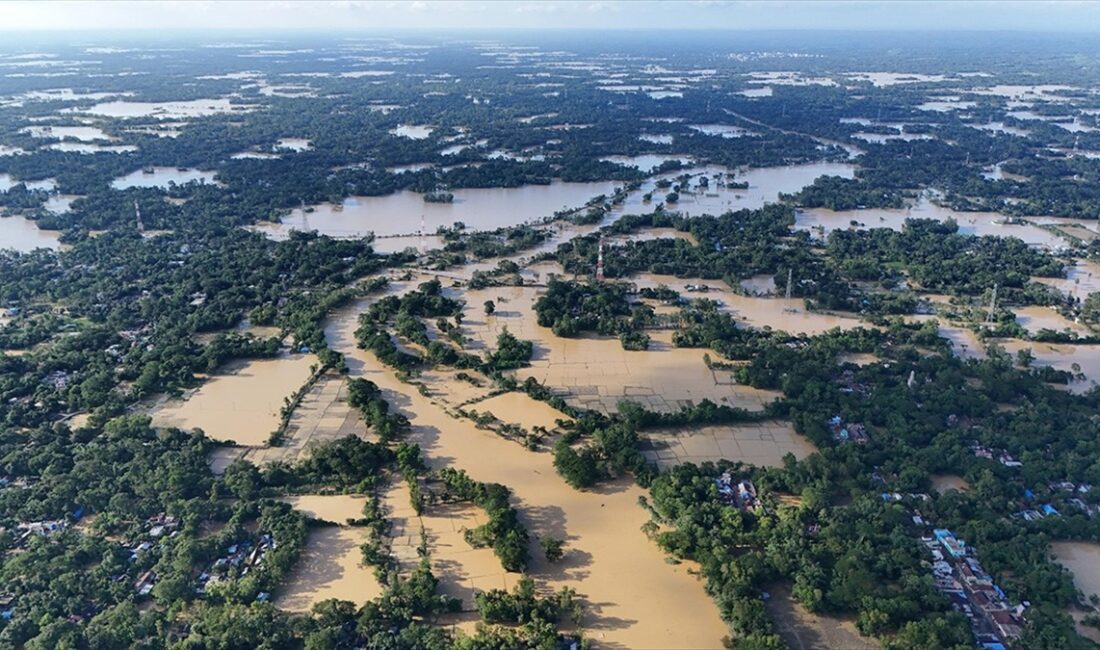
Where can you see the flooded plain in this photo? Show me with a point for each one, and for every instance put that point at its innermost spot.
(1083, 561)
(635, 599)
(22, 234)
(161, 177)
(479, 209)
(521, 409)
(821, 222)
(165, 110)
(242, 405)
(596, 372)
(758, 443)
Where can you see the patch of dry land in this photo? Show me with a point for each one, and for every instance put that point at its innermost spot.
(634, 598)
(242, 405)
(331, 565)
(596, 372)
(758, 443)
(803, 630)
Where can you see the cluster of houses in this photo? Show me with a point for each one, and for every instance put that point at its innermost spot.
(997, 623)
(154, 528)
(1035, 511)
(845, 432)
(740, 493)
(999, 455)
(44, 528)
(244, 556)
(848, 384)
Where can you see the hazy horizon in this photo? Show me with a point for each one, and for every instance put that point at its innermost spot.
(605, 15)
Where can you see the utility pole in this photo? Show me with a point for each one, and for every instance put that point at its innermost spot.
(992, 304)
(137, 216)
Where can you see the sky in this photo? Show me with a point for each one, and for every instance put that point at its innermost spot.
(455, 15)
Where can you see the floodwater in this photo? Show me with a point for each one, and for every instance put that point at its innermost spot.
(1083, 561)
(242, 405)
(823, 221)
(1001, 127)
(635, 598)
(461, 569)
(944, 483)
(521, 409)
(61, 203)
(479, 209)
(883, 138)
(647, 161)
(1082, 278)
(765, 185)
(762, 285)
(655, 139)
(723, 130)
(758, 443)
(161, 177)
(7, 181)
(167, 110)
(1062, 356)
(596, 372)
(255, 155)
(776, 313)
(89, 147)
(20, 233)
(82, 133)
(293, 144)
(763, 91)
(333, 508)
(330, 567)
(802, 629)
(413, 131)
(1036, 318)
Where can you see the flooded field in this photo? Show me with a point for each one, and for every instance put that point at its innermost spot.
(757, 443)
(754, 311)
(413, 131)
(242, 405)
(635, 599)
(1084, 359)
(821, 222)
(165, 110)
(322, 416)
(7, 181)
(330, 566)
(646, 161)
(944, 483)
(461, 569)
(1082, 278)
(22, 234)
(803, 630)
(596, 372)
(1083, 561)
(479, 209)
(82, 133)
(1035, 318)
(161, 177)
(519, 408)
(765, 185)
